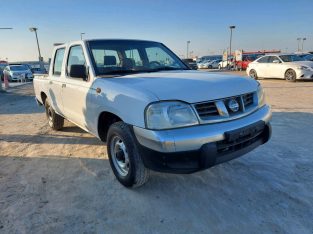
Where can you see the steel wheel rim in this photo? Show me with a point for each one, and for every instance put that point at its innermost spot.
(120, 156)
(49, 115)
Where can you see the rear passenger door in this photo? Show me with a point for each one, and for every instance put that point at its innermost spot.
(56, 80)
(75, 90)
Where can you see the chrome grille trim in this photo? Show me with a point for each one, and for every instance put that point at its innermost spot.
(218, 111)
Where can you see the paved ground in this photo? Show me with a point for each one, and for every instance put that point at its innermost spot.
(61, 182)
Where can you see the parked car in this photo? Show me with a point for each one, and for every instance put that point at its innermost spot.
(209, 64)
(151, 116)
(17, 72)
(191, 63)
(246, 59)
(203, 64)
(285, 66)
(226, 64)
(38, 70)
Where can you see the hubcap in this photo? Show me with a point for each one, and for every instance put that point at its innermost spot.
(119, 156)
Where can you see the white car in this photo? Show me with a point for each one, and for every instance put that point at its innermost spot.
(151, 115)
(213, 64)
(225, 64)
(285, 66)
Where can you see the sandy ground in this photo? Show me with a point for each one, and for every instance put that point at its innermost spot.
(61, 182)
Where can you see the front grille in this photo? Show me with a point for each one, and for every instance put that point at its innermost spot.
(223, 109)
(206, 109)
(247, 99)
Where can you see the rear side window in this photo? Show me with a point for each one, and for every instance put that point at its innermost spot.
(58, 60)
(263, 60)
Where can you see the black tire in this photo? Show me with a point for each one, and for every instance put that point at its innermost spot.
(210, 67)
(290, 75)
(253, 74)
(55, 121)
(136, 173)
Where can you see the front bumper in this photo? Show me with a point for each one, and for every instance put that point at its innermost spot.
(304, 74)
(190, 149)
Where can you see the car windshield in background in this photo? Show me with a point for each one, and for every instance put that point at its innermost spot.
(290, 58)
(18, 68)
(131, 56)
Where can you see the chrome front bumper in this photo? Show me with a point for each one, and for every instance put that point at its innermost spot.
(193, 138)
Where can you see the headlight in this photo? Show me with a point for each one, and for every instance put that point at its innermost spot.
(170, 114)
(303, 68)
(261, 96)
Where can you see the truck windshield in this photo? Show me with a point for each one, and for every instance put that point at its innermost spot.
(131, 56)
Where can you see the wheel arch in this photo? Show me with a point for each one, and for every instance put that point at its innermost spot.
(105, 120)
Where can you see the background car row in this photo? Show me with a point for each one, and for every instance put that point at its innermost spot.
(18, 72)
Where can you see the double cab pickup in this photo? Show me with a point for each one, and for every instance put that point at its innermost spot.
(152, 111)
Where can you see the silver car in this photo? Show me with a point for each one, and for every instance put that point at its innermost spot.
(18, 72)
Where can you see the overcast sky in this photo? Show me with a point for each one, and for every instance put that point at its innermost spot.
(259, 24)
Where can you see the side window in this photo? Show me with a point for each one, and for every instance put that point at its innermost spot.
(75, 57)
(264, 59)
(134, 55)
(58, 60)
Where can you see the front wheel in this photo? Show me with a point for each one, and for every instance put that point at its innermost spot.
(124, 157)
(253, 74)
(290, 75)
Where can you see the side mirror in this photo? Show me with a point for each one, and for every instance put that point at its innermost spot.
(78, 71)
(276, 61)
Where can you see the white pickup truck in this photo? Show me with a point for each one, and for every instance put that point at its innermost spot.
(152, 111)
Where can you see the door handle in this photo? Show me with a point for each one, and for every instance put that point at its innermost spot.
(63, 85)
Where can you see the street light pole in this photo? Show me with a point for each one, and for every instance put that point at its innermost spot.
(298, 39)
(187, 55)
(33, 29)
(303, 39)
(81, 36)
(1, 74)
(231, 37)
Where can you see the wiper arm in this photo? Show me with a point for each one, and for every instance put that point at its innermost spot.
(166, 69)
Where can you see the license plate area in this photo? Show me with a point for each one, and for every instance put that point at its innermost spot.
(245, 133)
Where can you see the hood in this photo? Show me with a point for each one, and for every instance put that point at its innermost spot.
(188, 86)
(303, 63)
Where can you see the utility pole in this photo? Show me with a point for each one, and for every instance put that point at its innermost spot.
(33, 29)
(1, 74)
(81, 35)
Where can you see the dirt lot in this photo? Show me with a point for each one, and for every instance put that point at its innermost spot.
(61, 182)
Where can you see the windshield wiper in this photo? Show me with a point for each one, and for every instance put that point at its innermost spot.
(165, 69)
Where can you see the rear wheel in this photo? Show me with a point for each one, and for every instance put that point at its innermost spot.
(253, 74)
(219, 67)
(290, 75)
(124, 156)
(55, 121)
